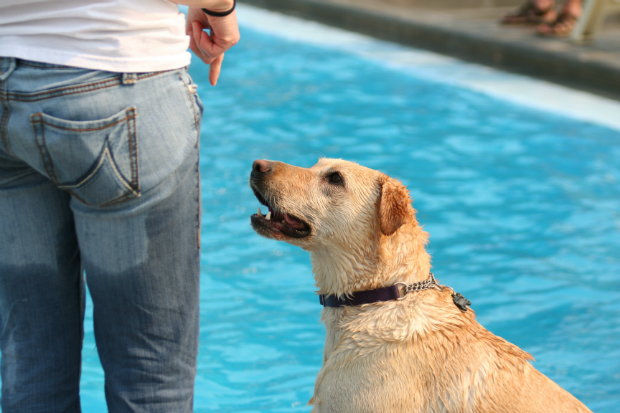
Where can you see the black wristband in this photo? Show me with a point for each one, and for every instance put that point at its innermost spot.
(221, 13)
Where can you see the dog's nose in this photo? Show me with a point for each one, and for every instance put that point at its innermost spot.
(261, 166)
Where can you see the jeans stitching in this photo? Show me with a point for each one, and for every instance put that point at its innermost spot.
(147, 75)
(39, 136)
(198, 198)
(191, 104)
(197, 128)
(72, 90)
(73, 194)
(130, 185)
(133, 149)
(6, 110)
(107, 125)
(121, 198)
(106, 154)
(133, 186)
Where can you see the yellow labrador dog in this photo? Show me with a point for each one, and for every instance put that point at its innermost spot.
(396, 341)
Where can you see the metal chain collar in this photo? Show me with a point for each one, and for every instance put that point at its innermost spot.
(427, 284)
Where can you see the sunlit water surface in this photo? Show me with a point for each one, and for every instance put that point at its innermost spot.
(522, 208)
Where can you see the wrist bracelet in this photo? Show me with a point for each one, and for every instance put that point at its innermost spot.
(221, 13)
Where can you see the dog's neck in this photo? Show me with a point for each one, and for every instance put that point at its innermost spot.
(348, 266)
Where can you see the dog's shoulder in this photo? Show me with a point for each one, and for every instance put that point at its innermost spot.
(426, 326)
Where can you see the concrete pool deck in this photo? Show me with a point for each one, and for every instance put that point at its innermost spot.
(468, 30)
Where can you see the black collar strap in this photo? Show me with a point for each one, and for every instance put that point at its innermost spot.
(380, 294)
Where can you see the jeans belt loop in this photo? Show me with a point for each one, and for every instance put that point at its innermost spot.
(7, 66)
(129, 78)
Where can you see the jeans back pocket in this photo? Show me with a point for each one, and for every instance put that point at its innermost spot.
(96, 160)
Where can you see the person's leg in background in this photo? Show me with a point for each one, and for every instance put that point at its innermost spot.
(125, 148)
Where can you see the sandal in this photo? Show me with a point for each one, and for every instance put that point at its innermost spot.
(529, 14)
(561, 27)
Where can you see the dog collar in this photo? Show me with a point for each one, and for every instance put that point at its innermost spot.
(378, 295)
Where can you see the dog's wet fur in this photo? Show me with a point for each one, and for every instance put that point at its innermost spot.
(421, 354)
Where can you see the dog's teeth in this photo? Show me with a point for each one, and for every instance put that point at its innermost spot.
(260, 214)
(268, 216)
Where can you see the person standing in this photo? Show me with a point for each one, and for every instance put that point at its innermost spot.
(99, 131)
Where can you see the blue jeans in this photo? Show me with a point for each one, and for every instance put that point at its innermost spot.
(98, 172)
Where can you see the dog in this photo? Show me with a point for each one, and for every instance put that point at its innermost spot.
(396, 341)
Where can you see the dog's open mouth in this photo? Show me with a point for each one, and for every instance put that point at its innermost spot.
(278, 222)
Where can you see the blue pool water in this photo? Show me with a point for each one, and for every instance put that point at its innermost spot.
(522, 208)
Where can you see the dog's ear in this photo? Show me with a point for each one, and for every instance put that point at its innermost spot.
(395, 205)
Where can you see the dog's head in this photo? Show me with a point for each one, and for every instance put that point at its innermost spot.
(358, 223)
(334, 201)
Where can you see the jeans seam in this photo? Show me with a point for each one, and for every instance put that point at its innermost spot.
(108, 155)
(198, 198)
(39, 136)
(121, 198)
(197, 128)
(191, 104)
(107, 125)
(133, 149)
(76, 196)
(73, 90)
(6, 112)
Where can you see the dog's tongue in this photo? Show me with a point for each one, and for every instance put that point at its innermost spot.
(292, 222)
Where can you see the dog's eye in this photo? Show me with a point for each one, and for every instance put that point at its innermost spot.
(335, 178)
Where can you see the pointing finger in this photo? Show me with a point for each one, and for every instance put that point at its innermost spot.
(214, 69)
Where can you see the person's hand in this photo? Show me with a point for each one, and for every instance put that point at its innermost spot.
(210, 48)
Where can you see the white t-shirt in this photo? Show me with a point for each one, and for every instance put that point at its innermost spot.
(114, 35)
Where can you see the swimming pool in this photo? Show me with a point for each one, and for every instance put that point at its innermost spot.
(522, 207)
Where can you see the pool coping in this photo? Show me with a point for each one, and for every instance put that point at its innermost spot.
(476, 40)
